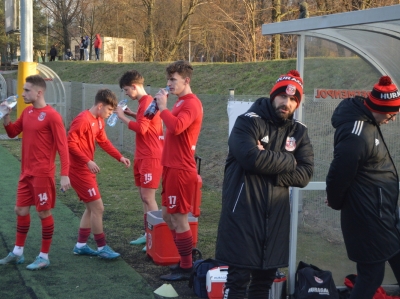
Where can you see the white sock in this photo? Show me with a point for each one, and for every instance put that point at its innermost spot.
(18, 250)
(44, 255)
(80, 245)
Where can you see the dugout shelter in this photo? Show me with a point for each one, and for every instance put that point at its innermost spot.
(352, 50)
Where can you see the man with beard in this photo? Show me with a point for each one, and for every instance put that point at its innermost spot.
(363, 184)
(268, 152)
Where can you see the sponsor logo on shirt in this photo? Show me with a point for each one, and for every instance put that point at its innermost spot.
(376, 142)
(290, 144)
(42, 116)
(161, 137)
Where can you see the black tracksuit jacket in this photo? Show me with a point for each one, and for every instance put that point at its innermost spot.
(254, 225)
(363, 184)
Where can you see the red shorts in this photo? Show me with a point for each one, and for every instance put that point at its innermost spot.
(147, 173)
(36, 191)
(85, 185)
(178, 188)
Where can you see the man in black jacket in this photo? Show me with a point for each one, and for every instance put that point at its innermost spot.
(363, 183)
(268, 152)
(53, 53)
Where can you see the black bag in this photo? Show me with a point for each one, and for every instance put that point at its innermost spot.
(197, 280)
(314, 283)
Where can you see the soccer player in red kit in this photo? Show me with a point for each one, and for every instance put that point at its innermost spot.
(147, 167)
(44, 135)
(87, 129)
(179, 175)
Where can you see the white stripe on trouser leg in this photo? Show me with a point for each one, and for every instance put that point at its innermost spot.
(226, 293)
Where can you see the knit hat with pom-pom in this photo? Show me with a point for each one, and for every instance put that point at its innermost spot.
(384, 97)
(290, 84)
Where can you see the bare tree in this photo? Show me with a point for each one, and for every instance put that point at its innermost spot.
(64, 13)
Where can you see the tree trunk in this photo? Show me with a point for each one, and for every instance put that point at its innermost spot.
(149, 33)
(276, 42)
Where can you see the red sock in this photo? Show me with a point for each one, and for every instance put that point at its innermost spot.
(184, 243)
(83, 235)
(47, 233)
(100, 239)
(23, 224)
(145, 221)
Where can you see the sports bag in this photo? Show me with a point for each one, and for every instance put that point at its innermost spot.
(197, 280)
(314, 283)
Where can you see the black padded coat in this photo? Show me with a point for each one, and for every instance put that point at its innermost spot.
(254, 225)
(363, 183)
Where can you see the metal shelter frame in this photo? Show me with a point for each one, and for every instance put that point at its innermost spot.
(372, 34)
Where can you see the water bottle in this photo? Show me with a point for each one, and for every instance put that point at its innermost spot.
(10, 102)
(153, 108)
(112, 120)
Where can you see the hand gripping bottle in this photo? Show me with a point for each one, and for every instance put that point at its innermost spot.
(112, 120)
(7, 104)
(153, 108)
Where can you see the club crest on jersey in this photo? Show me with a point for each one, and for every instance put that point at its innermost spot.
(179, 103)
(291, 90)
(290, 144)
(42, 116)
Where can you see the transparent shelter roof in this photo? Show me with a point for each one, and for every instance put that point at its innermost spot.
(372, 34)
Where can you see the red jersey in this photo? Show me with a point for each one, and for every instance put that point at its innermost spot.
(149, 133)
(183, 125)
(44, 135)
(85, 130)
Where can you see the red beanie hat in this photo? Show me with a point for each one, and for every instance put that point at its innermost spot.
(290, 84)
(384, 97)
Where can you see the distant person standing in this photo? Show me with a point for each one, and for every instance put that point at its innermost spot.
(81, 49)
(86, 47)
(53, 53)
(44, 135)
(86, 130)
(97, 46)
(147, 167)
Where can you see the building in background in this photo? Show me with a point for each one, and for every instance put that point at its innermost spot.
(113, 49)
